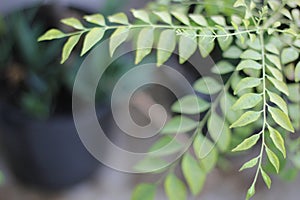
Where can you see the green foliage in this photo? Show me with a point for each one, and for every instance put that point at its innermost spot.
(263, 38)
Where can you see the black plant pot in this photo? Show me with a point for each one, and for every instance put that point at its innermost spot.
(45, 154)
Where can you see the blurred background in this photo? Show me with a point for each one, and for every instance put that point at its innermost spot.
(41, 155)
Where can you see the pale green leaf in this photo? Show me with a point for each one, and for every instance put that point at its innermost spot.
(239, 3)
(165, 146)
(248, 100)
(281, 119)
(273, 159)
(206, 44)
(286, 13)
(248, 64)
(91, 38)
(69, 46)
(220, 134)
(119, 18)
(250, 192)
(179, 124)
(144, 44)
(247, 143)
(222, 67)
(193, 174)
(73, 22)
(245, 83)
(150, 164)
(166, 45)
(181, 17)
(52, 34)
(187, 46)
(272, 48)
(199, 19)
(277, 140)
(190, 104)
(95, 19)
(276, 99)
(251, 55)
(224, 42)
(297, 72)
(144, 191)
(142, 15)
(207, 85)
(220, 20)
(275, 72)
(164, 16)
(275, 60)
(117, 38)
(274, 5)
(254, 44)
(294, 92)
(233, 52)
(251, 163)
(266, 178)
(246, 118)
(280, 85)
(174, 188)
(289, 55)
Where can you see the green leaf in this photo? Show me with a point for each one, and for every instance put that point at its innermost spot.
(164, 16)
(199, 19)
(165, 146)
(276, 99)
(239, 3)
(95, 19)
(220, 134)
(73, 22)
(246, 118)
(245, 83)
(91, 38)
(119, 18)
(275, 72)
(289, 55)
(266, 178)
(144, 191)
(179, 124)
(294, 92)
(144, 44)
(273, 159)
(166, 45)
(250, 192)
(142, 15)
(297, 72)
(247, 143)
(69, 46)
(190, 104)
(286, 13)
(222, 67)
(224, 42)
(150, 164)
(277, 140)
(275, 60)
(251, 55)
(117, 38)
(248, 64)
(193, 174)
(205, 44)
(181, 17)
(272, 48)
(220, 20)
(233, 52)
(52, 34)
(280, 85)
(251, 163)
(187, 46)
(174, 188)
(247, 101)
(207, 85)
(274, 5)
(281, 119)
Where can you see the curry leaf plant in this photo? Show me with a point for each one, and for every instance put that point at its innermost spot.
(261, 98)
